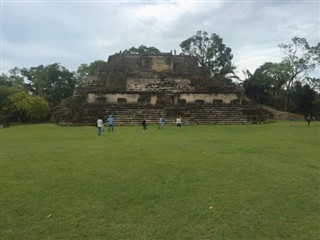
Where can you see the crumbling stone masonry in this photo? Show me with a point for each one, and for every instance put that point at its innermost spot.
(132, 86)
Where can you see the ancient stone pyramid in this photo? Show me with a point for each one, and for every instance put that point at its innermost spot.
(132, 86)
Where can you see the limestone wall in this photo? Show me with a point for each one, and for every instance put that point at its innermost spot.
(113, 97)
(208, 98)
(156, 84)
(153, 98)
(161, 63)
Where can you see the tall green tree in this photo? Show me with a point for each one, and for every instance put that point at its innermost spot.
(300, 59)
(52, 82)
(315, 110)
(314, 82)
(211, 53)
(265, 85)
(85, 70)
(16, 78)
(303, 98)
(5, 92)
(5, 80)
(61, 84)
(13, 79)
(25, 106)
(36, 81)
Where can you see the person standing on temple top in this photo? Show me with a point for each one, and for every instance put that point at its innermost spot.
(308, 118)
(162, 121)
(110, 122)
(145, 124)
(178, 122)
(100, 125)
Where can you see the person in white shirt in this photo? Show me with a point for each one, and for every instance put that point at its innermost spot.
(100, 126)
(179, 122)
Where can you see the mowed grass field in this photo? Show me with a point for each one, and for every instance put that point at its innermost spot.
(197, 182)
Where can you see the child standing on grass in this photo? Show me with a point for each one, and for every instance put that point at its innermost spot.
(145, 124)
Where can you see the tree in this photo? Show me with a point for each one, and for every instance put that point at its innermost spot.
(13, 79)
(85, 70)
(265, 85)
(5, 92)
(61, 84)
(275, 83)
(35, 79)
(16, 78)
(142, 50)
(81, 74)
(5, 80)
(300, 59)
(52, 82)
(314, 83)
(25, 106)
(210, 53)
(315, 110)
(303, 98)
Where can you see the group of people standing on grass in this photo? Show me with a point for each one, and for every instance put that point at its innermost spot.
(162, 122)
(293, 120)
(110, 121)
(100, 124)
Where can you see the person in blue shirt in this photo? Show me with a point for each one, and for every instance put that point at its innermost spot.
(162, 121)
(110, 122)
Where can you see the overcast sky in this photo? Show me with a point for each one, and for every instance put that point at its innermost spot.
(75, 32)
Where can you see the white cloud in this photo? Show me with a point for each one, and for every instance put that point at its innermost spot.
(73, 33)
(253, 57)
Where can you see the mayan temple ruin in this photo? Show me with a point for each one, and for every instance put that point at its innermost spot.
(131, 86)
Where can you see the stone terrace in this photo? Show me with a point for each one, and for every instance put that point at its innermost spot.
(132, 86)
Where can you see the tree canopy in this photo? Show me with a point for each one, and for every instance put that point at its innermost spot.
(142, 49)
(286, 85)
(25, 107)
(52, 82)
(299, 60)
(211, 53)
(85, 70)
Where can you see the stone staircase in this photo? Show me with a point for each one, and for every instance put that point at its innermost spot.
(221, 114)
(132, 114)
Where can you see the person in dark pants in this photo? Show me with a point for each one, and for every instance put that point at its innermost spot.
(145, 124)
(110, 123)
(179, 122)
(100, 125)
(308, 118)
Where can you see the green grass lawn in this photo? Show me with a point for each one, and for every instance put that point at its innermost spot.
(197, 182)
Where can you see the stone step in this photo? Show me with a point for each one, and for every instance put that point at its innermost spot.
(130, 114)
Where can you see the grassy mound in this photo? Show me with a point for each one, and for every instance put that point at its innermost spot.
(280, 115)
